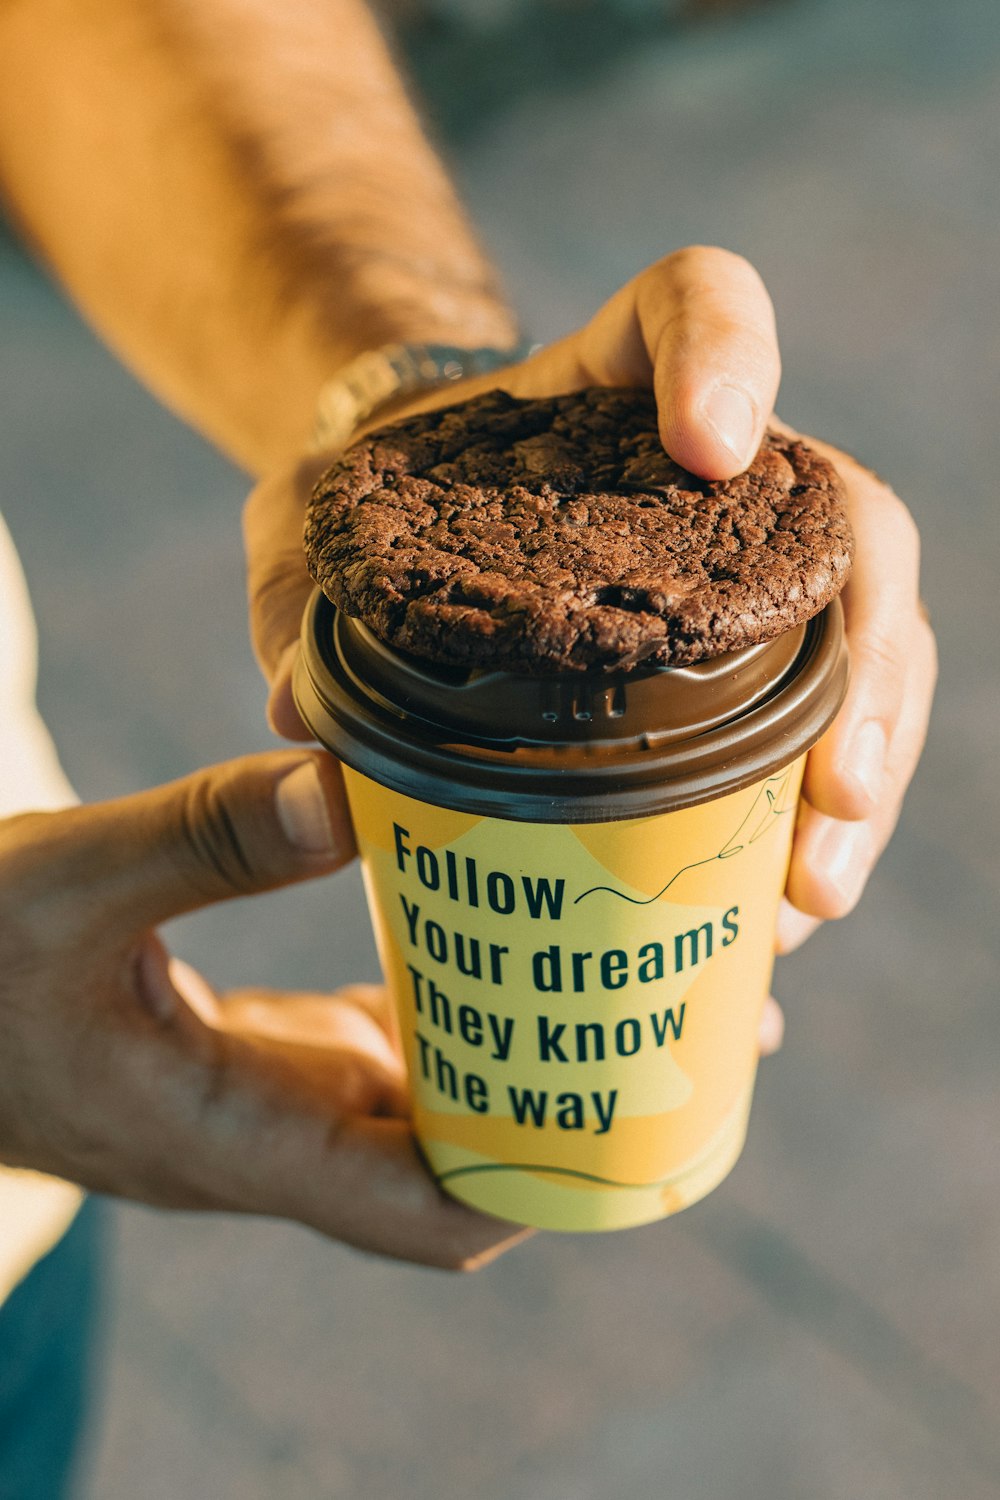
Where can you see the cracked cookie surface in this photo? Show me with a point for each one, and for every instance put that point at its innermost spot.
(556, 535)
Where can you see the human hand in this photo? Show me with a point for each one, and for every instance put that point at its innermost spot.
(857, 775)
(699, 328)
(123, 1071)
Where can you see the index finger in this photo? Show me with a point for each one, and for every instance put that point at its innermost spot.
(278, 582)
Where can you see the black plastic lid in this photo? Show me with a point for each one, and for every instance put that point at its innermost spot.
(576, 748)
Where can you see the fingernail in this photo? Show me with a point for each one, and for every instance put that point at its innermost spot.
(731, 415)
(302, 810)
(865, 760)
(841, 857)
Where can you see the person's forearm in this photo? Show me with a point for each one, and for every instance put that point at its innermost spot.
(239, 197)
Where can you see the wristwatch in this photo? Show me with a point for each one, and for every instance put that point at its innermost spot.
(380, 376)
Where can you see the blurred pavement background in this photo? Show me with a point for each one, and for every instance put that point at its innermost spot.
(825, 1325)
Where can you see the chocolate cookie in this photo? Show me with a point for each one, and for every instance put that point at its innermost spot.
(556, 535)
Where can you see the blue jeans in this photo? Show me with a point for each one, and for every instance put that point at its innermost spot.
(47, 1329)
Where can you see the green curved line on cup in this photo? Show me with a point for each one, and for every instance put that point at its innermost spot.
(526, 1166)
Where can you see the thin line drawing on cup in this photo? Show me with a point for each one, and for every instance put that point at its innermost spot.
(762, 815)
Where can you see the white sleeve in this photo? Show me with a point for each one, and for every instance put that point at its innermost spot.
(30, 774)
(34, 1210)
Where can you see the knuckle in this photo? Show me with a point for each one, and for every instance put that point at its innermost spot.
(898, 531)
(41, 872)
(818, 898)
(877, 656)
(711, 274)
(271, 576)
(828, 876)
(684, 268)
(711, 313)
(705, 261)
(212, 846)
(683, 274)
(275, 589)
(906, 534)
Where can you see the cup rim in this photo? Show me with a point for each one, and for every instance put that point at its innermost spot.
(573, 780)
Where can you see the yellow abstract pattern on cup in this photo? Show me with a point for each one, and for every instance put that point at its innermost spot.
(578, 1004)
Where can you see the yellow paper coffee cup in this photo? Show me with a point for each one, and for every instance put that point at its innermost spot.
(574, 886)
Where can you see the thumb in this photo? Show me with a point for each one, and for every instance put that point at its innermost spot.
(699, 326)
(712, 341)
(230, 830)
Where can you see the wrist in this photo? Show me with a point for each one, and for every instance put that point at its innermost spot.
(384, 297)
(347, 320)
(369, 388)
